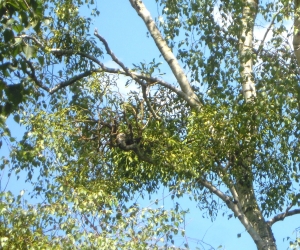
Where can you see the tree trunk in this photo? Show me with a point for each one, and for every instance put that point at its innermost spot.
(296, 39)
(251, 210)
(262, 233)
(245, 48)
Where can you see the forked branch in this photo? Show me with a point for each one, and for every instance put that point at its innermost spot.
(127, 72)
(58, 86)
(140, 78)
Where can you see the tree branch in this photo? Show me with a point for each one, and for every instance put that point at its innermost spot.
(31, 38)
(134, 75)
(139, 77)
(149, 104)
(71, 80)
(32, 74)
(124, 70)
(166, 52)
(73, 52)
(60, 85)
(266, 33)
(230, 185)
(282, 216)
(232, 204)
(235, 208)
(109, 51)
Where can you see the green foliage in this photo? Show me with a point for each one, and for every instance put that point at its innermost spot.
(25, 47)
(71, 150)
(295, 241)
(86, 221)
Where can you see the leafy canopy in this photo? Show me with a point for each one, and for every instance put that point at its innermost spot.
(94, 149)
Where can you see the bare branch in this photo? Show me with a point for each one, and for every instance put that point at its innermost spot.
(92, 58)
(152, 80)
(266, 33)
(109, 51)
(71, 81)
(124, 70)
(128, 72)
(282, 216)
(132, 74)
(61, 85)
(230, 185)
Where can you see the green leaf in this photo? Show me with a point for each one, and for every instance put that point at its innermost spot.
(18, 28)
(17, 118)
(14, 93)
(8, 35)
(24, 18)
(41, 60)
(30, 51)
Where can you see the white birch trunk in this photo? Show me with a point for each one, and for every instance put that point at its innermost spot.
(296, 39)
(245, 49)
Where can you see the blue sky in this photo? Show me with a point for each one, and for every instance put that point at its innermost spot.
(126, 34)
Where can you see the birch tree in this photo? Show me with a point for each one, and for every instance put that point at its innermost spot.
(232, 114)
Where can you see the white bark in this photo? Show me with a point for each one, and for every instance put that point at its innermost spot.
(296, 40)
(245, 49)
(166, 51)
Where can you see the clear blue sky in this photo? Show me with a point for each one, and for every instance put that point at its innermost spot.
(126, 34)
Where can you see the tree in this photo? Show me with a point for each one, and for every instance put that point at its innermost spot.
(231, 115)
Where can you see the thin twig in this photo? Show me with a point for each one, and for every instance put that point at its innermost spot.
(266, 33)
(151, 80)
(144, 88)
(33, 75)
